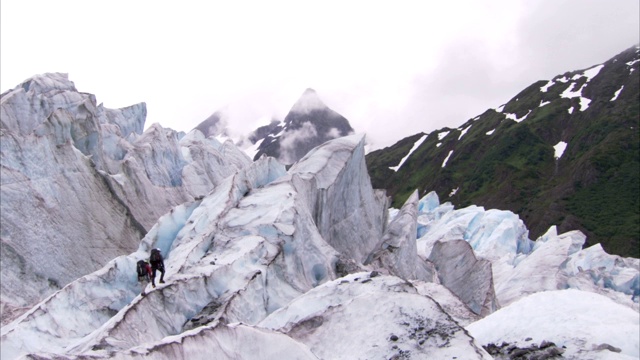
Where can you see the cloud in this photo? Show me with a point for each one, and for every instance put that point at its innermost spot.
(290, 140)
(308, 102)
(391, 70)
(333, 133)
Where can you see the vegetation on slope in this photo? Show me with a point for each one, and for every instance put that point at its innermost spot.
(505, 164)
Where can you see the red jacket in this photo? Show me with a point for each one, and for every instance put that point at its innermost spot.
(148, 267)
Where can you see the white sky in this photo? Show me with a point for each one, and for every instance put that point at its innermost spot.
(392, 69)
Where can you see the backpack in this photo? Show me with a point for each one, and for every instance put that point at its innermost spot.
(156, 257)
(142, 268)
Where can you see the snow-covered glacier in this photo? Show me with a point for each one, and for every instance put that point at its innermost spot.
(261, 239)
(264, 262)
(547, 291)
(521, 266)
(76, 175)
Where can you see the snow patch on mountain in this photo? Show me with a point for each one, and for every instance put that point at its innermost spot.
(617, 93)
(570, 93)
(463, 131)
(415, 146)
(559, 149)
(446, 159)
(515, 118)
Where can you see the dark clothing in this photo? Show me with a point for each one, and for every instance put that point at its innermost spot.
(157, 265)
(147, 274)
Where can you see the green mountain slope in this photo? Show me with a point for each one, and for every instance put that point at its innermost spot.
(505, 158)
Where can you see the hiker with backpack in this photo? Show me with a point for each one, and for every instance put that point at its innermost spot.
(157, 263)
(144, 272)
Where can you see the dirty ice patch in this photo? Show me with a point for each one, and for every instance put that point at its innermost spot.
(559, 149)
(564, 317)
(415, 146)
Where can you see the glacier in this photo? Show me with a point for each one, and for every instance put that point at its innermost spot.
(78, 175)
(521, 266)
(236, 257)
(566, 318)
(265, 262)
(248, 264)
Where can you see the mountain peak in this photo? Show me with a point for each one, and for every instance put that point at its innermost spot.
(308, 101)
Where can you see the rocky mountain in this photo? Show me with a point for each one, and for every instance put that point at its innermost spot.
(308, 124)
(76, 175)
(214, 126)
(562, 152)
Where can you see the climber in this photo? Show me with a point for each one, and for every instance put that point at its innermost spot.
(157, 263)
(144, 271)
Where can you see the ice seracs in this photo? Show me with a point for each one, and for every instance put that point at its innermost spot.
(260, 234)
(76, 175)
(521, 266)
(397, 250)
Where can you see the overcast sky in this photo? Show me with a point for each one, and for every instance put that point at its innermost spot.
(392, 68)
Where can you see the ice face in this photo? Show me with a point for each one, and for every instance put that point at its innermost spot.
(78, 177)
(520, 266)
(242, 252)
(397, 250)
